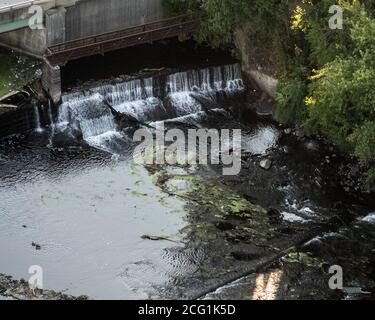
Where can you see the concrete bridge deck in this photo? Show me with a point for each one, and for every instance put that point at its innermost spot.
(9, 5)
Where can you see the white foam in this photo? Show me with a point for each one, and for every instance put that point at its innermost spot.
(184, 103)
(262, 140)
(291, 217)
(369, 218)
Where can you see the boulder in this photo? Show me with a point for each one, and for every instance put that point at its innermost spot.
(266, 164)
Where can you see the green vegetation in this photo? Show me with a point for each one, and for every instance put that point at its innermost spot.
(326, 76)
(15, 71)
(215, 210)
(221, 17)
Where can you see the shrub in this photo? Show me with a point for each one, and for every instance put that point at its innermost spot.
(290, 101)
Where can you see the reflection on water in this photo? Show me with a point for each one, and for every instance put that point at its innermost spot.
(89, 223)
(75, 191)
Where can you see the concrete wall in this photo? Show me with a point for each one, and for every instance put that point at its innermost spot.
(257, 63)
(51, 81)
(90, 17)
(30, 42)
(55, 25)
(73, 19)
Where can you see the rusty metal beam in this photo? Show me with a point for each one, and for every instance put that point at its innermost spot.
(102, 43)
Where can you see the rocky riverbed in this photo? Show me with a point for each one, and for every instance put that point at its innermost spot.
(99, 224)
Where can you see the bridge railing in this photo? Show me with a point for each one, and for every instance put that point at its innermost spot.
(114, 40)
(108, 36)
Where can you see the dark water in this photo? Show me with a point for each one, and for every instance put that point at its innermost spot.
(74, 189)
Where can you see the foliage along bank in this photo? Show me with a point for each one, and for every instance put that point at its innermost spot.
(326, 76)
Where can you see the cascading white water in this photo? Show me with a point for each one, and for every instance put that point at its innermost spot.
(86, 111)
(51, 123)
(179, 87)
(136, 98)
(87, 114)
(50, 117)
(38, 127)
(206, 82)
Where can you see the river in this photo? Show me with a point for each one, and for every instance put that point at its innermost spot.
(74, 202)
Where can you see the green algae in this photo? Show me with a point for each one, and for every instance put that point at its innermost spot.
(138, 194)
(305, 258)
(227, 202)
(16, 71)
(210, 203)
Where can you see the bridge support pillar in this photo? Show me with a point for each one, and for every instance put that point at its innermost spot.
(51, 81)
(55, 25)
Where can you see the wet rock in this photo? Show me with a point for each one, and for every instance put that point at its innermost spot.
(335, 222)
(36, 246)
(265, 108)
(287, 230)
(265, 164)
(285, 149)
(67, 137)
(2, 288)
(312, 145)
(300, 133)
(245, 256)
(288, 131)
(274, 215)
(224, 226)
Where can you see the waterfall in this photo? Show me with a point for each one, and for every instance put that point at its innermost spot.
(208, 82)
(86, 112)
(221, 78)
(38, 127)
(51, 123)
(50, 117)
(136, 98)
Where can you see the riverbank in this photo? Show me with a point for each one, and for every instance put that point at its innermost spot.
(11, 289)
